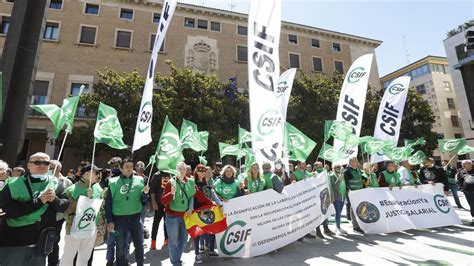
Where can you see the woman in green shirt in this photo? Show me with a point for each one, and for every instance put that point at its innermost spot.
(226, 186)
(369, 176)
(254, 181)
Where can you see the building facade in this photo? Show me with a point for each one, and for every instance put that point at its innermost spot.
(82, 36)
(460, 61)
(431, 78)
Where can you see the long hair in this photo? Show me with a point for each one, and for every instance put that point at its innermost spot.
(225, 168)
(196, 170)
(249, 175)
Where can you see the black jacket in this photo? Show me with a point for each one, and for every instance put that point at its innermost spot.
(462, 176)
(435, 174)
(28, 235)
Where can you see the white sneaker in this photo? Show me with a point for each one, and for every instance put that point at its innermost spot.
(340, 231)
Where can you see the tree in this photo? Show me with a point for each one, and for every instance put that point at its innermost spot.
(201, 99)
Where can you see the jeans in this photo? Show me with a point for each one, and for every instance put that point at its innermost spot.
(338, 205)
(207, 239)
(132, 224)
(454, 189)
(14, 256)
(470, 200)
(177, 236)
(111, 240)
(159, 214)
(325, 226)
(53, 257)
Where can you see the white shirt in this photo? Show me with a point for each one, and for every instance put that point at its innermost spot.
(404, 175)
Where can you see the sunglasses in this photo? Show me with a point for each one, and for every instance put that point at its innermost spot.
(201, 170)
(40, 163)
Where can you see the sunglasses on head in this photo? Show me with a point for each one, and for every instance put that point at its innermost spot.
(202, 170)
(40, 162)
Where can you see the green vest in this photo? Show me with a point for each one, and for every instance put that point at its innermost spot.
(342, 185)
(19, 192)
(226, 191)
(256, 184)
(392, 178)
(299, 175)
(373, 180)
(180, 203)
(451, 177)
(268, 180)
(78, 189)
(355, 182)
(126, 195)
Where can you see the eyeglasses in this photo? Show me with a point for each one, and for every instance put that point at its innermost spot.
(40, 163)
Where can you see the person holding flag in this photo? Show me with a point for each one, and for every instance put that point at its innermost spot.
(254, 181)
(82, 247)
(408, 177)
(390, 177)
(453, 186)
(123, 206)
(353, 180)
(369, 176)
(176, 197)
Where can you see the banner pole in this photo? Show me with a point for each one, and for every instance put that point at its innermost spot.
(92, 165)
(151, 171)
(60, 152)
(449, 161)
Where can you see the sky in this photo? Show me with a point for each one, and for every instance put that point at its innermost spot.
(423, 23)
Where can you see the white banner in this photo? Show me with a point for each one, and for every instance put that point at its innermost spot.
(145, 115)
(352, 99)
(285, 85)
(266, 118)
(84, 224)
(380, 210)
(265, 221)
(389, 117)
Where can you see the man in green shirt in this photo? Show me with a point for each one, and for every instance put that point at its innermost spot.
(123, 205)
(353, 178)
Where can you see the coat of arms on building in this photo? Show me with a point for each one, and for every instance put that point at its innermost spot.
(201, 54)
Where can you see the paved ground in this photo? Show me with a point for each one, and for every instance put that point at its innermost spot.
(442, 246)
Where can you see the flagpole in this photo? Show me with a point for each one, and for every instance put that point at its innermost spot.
(149, 176)
(450, 160)
(92, 165)
(60, 152)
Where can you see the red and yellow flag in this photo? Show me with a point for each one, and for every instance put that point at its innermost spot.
(208, 219)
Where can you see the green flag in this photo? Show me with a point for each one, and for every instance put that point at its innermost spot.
(466, 149)
(417, 158)
(188, 128)
(107, 128)
(451, 145)
(376, 145)
(191, 138)
(151, 161)
(398, 154)
(249, 160)
(228, 149)
(202, 160)
(297, 144)
(339, 130)
(169, 151)
(244, 151)
(245, 136)
(329, 153)
(60, 116)
(412, 143)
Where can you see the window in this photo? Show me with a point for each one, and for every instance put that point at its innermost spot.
(189, 22)
(447, 86)
(336, 47)
(40, 92)
(455, 121)
(242, 53)
(242, 30)
(317, 64)
(92, 9)
(294, 61)
(215, 26)
(202, 24)
(152, 42)
(457, 136)
(293, 39)
(451, 103)
(315, 43)
(421, 89)
(75, 89)
(87, 35)
(126, 13)
(156, 18)
(56, 4)
(51, 32)
(339, 66)
(5, 25)
(124, 39)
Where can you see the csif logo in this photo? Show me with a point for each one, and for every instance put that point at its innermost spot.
(146, 115)
(296, 140)
(396, 88)
(281, 88)
(124, 189)
(442, 204)
(234, 238)
(87, 218)
(269, 121)
(451, 145)
(356, 74)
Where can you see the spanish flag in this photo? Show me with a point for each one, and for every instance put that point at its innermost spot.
(208, 219)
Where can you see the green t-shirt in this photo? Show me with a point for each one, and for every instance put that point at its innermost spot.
(226, 191)
(184, 193)
(392, 178)
(255, 184)
(299, 175)
(126, 195)
(19, 192)
(268, 180)
(451, 175)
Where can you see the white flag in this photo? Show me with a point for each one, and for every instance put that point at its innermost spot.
(145, 115)
(266, 118)
(352, 99)
(285, 84)
(389, 117)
